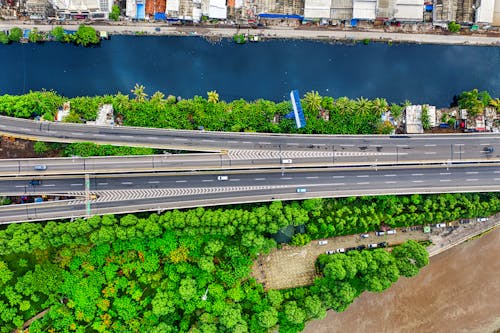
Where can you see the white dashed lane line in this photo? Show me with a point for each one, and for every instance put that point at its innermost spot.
(286, 178)
(181, 181)
(312, 177)
(126, 136)
(363, 176)
(76, 185)
(207, 180)
(102, 184)
(338, 184)
(417, 174)
(338, 177)
(390, 182)
(259, 178)
(363, 183)
(445, 180)
(472, 172)
(234, 180)
(153, 182)
(390, 175)
(127, 183)
(49, 185)
(445, 173)
(429, 153)
(417, 181)
(429, 145)
(472, 180)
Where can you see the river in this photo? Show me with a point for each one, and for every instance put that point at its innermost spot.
(188, 66)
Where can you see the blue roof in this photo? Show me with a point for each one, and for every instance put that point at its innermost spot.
(141, 12)
(281, 16)
(26, 33)
(298, 113)
(160, 16)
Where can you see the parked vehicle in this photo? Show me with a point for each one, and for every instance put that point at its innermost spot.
(361, 247)
(341, 250)
(482, 219)
(391, 232)
(372, 246)
(286, 161)
(222, 177)
(34, 182)
(40, 167)
(365, 235)
(301, 190)
(464, 221)
(383, 244)
(323, 242)
(380, 233)
(330, 252)
(350, 249)
(488, 150)
(440, 225)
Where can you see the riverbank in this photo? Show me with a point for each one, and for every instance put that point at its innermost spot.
(278, 32)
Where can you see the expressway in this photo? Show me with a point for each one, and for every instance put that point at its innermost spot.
(160, 191)
(241, 150)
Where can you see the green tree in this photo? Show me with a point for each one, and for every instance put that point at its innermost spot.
(86, 35)
(4, 39)
(58, 33)
(454, 27)
(115, 13)
(40, 147)
(293, 313)
(268, 318)
(139, 93)
(410, 257)
(213, 97)
(34, 36)
(15, 34)
(426, 123)
(474, 101)
(312, 101)
(300, 239)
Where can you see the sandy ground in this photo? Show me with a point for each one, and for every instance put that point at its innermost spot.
(459, 291)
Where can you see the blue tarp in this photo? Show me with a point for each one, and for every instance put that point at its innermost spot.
(281, 16)
(354, 22)
(428, 8)
(141, 12)
(70, 32)
(160, 16)
(26, 33)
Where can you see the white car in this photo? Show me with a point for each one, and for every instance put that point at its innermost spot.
(323, 242)
(222, 177)
(286, 161)
(391, 232)
(341, 250)
(380, 233)
(482, 219)
(441, 225)
(372, 246)
(365, 235)
(330, 252)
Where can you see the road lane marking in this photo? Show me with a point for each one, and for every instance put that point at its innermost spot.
(485, 144)
(497, 179)
(98, 134)
(20, 185)
(472, 180)
(234, 180)
(445, 180)
(417, 174)
(127, 183)
(180, 139)
(417, 181)
(77, 133)
(338, 177)
(153, 182)
(100, 184)
(126, 136)
(429, 153)
(346, 145)
(390, 175)
(259, 178)
(401, 145)
(247, 142)
(207, 180)
(286, 178)
(338, 184)
(76, 185)
(181, 181)
(264, 143)
(390, 182)
(363, 183)
(362, 176)
(49, 185)
(429, 145)
(445, 173)
(472, 172)
(208, 140)
(496, 172)
(312, 177)
(153, 138)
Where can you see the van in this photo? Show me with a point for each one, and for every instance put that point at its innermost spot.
(391, 232)
(40, 167)
(222, 177)
(286, 161)
(301, 190)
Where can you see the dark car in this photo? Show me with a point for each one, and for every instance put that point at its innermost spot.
(350, 249)
(361, 247)
(383, 244)
(34, 182)
(488, 150)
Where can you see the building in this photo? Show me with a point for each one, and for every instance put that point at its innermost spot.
(317, 9)
(409, 10)
(217, 9)
(83, 9)
(484, 11)
(364, 9)
(413, 118)
(496, 14)
(341, 10)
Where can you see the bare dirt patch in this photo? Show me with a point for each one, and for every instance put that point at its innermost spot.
(291, 266)
(18, 148)
(459, 291)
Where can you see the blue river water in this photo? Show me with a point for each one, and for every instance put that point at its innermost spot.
(188, 66)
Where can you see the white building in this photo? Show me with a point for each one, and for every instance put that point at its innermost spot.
(93, 9)
(317, 9)
(484, 11)
(217, 9)
(364, 9)
(409, 10)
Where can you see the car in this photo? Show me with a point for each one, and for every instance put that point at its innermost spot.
(40, 167)
(382, 244)
(364, 235)
(301, 190)
(372, 246)
(34, 182)
(482, 219)
(341, 250)
(380, 233)
(391, 232)
(488, 150)
(222, 177)
(350, 249)
(361, 247)
(330, 252)
(286, 161)
(441, 225)
(323, 242)
(464, 221)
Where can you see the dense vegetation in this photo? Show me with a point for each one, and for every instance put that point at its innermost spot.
(189, 270)
(85, 149)
(84, 36)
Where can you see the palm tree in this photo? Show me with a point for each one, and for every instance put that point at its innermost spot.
(496, 104)
(158, 97)
(312, 99)
(213, 97)
(139, 93)
(380, 105)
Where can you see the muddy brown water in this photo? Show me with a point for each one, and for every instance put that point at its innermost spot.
(459, 291)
